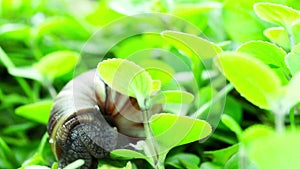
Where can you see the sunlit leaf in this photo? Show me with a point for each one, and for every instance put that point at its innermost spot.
(252, 78)
(157, 69)
(39, 111)
(27, 72)
(268, 53)
(127, 78)
(181, 129)
(279, 36)
(276, 151)
(76, 164)
(292, 60)
(57, 63)
(277, 13)
(254, 132)
(191, 44)
(173, 96)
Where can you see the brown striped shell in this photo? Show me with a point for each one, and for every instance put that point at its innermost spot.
(89, 119)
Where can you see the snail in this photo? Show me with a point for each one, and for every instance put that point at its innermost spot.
(89, 119)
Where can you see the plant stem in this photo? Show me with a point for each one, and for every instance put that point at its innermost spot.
(218, 97)
(279, 122)
(149, 136)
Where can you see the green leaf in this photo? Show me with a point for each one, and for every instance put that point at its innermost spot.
(221, 156)
(191, 44)
(252, 78)
(126, 154)
(240, 22)
(279, 36)
(231, 124)
(76, 164)
(157, 69)
(181, 129)
(172, 96)
(276, 151)
(291, 92)
(127, 78)
(27, 72)
(57, 63)
(181, 160)
(254, 132)
(276, 13)
(39, 111)
(292, 60)
(268, 53)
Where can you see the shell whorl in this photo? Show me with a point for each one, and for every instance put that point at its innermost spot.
(87, 100)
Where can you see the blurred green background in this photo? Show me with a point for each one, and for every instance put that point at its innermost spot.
(32, 30)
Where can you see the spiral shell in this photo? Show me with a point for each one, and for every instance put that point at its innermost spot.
(89, 119)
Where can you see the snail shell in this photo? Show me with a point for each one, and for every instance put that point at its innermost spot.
(89, 119)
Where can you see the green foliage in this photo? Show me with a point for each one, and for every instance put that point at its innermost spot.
(170, 63)
(38, 111)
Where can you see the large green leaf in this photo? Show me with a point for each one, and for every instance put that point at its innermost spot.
(268, 53)
(192, 45)
(292, 60)
(39, 111)
(180, 129)
(252, 78)
(127, 78)
(276, 151)
(57, 63)
(276, 13)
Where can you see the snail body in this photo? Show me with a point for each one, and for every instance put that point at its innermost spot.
(89, 119)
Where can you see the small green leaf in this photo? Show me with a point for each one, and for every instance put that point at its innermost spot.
(276, 13)
(279, 36)
(268, 53)
(57, 63)
(181, 159)
(254, 132)
(126, 154)
(292, 92)
(157, 69)
(192, 45)
(127, 78)
(172, 96)
(39, 111)
(76, 164)
(231, 124)
(292, 60)
(276, 151)
(26, 72)
(252, 78)
(221, 156)
(181, 129)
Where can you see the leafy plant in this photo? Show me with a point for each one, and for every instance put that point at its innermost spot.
(254, 44)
